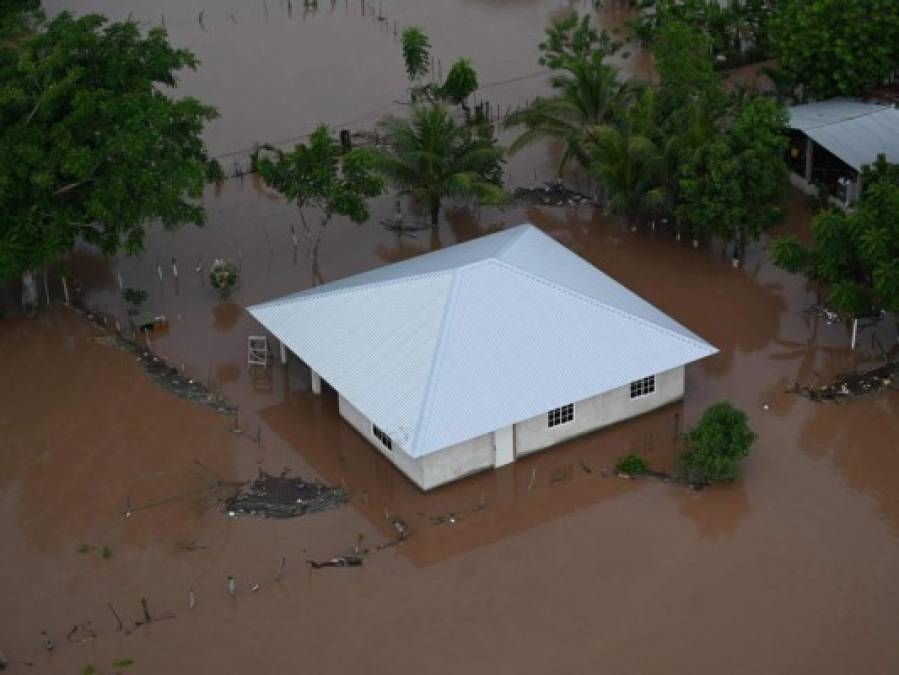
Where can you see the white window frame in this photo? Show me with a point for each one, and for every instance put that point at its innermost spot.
(561, 414)
(645, 386)
(382, 436)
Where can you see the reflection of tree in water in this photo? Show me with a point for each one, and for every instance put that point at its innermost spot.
(226, 315)
(860, 438)
(717, 510)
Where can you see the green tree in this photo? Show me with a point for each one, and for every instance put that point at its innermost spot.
(733, 189)
(19, 17)
(430, 157)
(855, 254)
(628, 164)
(720, 438)
(416, 52)
(828, 48)
(461, 82)
(589, 93)
(91, 147)
(573, 38)
(321, 176)
(682, 55)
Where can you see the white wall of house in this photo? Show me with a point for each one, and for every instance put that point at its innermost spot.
(457, 461)
(599, 411)
(477, 454)
(410, 466)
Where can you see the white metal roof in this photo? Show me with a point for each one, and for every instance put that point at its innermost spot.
(854, 131)
(456, 343)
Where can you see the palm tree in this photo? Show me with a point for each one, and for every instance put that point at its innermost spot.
(631, 169)
(429, 156)
(628, 160)
(589, 95)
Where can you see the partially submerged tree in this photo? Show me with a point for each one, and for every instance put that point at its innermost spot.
(416, 52)
(826, 48)
(628, 163)
(588, 92)
(461, 82)
(733, 189)
(719, 440)
(320, 175)
(91, 147)
(855, 255)
(573, 38)
(430, 157)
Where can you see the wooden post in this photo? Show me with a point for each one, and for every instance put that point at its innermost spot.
(854, 332)
(283, 352)
(65, 289)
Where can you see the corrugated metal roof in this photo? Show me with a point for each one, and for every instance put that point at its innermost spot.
(854, 131)
(462, 341)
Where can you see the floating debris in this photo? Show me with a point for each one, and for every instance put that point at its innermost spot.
(338, 561)
(282, 497)
(554, 194)
(850, 385)
(169, 378)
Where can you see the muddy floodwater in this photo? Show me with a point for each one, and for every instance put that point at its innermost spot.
(110, 485)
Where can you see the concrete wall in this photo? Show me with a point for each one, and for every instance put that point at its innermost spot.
(408, 465)
(434, 469)
(531, 435)
(457, 461)
(599, 411)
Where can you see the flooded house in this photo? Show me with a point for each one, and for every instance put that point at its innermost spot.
(466, 358)
(830, 142)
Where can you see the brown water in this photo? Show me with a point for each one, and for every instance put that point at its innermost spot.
(548, 566)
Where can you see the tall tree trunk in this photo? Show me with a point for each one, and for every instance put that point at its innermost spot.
(29, 292)
(435, 211)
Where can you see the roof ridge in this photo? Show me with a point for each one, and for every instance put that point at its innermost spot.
(424, 416)
(349, 289)
(594, 301)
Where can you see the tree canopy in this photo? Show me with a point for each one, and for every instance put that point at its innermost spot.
(430, 156)
(835, 47)
(720, 438)
(588, 92)
(416, 52)
(855, 254)
(91, 147)
(732, 189)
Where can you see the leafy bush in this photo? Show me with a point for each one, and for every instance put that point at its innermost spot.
(416, 52)
(721, 437)
(224, 275)
(632, 464)
(461, 82)
(134, 298)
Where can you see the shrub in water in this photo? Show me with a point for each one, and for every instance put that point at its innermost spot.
(224, 276)
(721, 437)
(632, 464)
(134, 298)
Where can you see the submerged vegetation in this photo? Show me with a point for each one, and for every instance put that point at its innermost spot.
(431, 156)
(854, 255)
(92, 148)
(719, 440)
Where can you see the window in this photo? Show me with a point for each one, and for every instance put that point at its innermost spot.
(643, 387)
(561, 415)
(386, 441)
